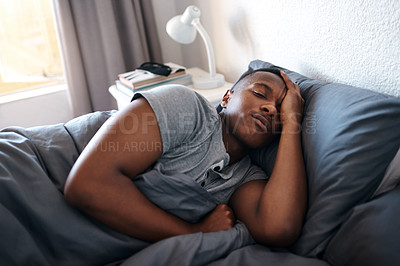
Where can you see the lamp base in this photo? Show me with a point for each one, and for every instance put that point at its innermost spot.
(204, 81)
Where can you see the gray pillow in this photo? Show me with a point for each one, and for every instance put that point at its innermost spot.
(370, 236)
(391, 178)
(350, 135)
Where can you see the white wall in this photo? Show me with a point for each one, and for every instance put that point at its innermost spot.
(353, 42)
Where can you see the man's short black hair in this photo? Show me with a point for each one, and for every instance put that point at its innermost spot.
(252, 71)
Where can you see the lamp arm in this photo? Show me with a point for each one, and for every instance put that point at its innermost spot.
(208, 44)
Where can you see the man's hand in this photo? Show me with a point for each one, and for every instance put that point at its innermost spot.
(293, 104)
(221, 218)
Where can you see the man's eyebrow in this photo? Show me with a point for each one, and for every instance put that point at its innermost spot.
(265, 86)
(269, 89)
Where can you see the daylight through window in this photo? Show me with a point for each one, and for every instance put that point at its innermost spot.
(29, 53)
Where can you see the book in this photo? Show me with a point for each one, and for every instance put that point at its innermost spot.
(128, 91)
(138, 78)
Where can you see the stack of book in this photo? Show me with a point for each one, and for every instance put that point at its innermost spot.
(138, 79)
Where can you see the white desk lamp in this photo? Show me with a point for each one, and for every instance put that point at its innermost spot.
(183, 29)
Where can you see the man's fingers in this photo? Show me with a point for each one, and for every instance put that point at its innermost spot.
(286, 78)
(289, 82)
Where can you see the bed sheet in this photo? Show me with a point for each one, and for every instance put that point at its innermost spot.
(38, 227)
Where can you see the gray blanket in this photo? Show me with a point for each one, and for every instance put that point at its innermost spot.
(38, 227)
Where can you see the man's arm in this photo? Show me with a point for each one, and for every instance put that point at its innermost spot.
(273, 211)
(100, 181)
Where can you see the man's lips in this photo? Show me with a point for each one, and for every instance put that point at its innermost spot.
(263, 122)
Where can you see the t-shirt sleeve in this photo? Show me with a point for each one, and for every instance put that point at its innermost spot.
(181, 115)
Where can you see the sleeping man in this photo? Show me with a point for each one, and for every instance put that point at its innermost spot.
(178, 131)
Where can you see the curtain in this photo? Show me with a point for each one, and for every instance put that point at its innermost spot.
(99, 40)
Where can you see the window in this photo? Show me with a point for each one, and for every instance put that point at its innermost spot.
(29, 53)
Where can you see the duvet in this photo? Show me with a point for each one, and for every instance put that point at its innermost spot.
(38, 227)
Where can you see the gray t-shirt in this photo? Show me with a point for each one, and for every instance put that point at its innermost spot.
(191, 133)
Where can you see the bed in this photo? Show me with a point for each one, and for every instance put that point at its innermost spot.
(351, 140)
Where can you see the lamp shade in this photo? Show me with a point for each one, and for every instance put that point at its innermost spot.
(181, 32)
(180, 28)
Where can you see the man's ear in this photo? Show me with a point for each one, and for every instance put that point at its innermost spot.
(226, 98)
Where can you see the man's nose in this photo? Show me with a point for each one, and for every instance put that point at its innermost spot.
(270, 109)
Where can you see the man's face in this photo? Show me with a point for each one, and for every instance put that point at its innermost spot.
(252, 110)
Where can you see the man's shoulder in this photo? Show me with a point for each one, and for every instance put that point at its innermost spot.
(170, 89)
(179, 97)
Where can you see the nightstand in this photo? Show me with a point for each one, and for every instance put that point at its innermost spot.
(213, 95)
